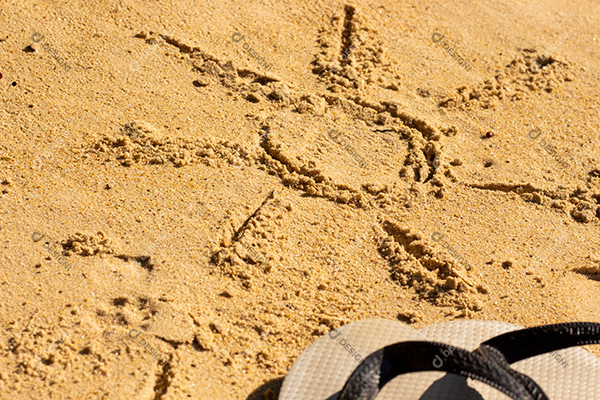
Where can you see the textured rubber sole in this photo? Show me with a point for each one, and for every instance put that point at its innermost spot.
(320, 372)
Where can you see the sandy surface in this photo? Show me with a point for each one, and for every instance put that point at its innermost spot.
(192, 193)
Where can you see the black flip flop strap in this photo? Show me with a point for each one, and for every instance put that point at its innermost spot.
(494, 356)
(400, 358)
(524, 343)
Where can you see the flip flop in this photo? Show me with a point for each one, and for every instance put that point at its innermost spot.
(471, 360)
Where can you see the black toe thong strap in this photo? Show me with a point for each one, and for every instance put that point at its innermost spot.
(489, 363)
(385, 364)
(525, 343)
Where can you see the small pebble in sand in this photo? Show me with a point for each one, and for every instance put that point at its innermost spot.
(14, 83)
(0, 75)
(489, 134)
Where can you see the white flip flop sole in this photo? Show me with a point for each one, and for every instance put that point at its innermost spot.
(321, 371)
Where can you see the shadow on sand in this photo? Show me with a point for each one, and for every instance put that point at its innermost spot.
(267, 391)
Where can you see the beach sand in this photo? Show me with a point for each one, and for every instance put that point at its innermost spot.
(193, 193)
